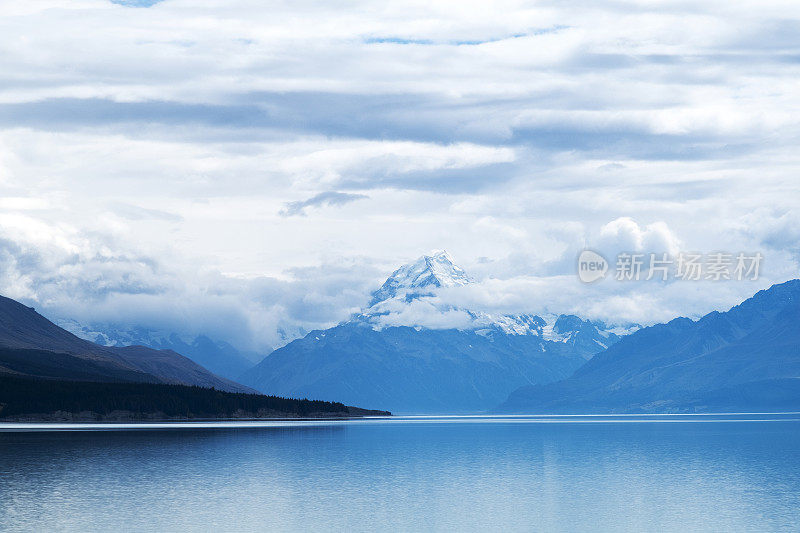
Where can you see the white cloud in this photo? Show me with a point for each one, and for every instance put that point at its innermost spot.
(422, 313)
(625, 235)
(146, 153)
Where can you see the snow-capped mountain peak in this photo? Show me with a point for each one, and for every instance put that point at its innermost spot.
(428, 272)
(409, 298)
(447, 273)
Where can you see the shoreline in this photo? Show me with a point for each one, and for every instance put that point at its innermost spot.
(133, 418)
(244, 421)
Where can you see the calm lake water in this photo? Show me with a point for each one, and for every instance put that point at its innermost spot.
(704, 473)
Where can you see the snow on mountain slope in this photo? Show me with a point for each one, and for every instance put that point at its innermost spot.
(429, 271)
(409, 297)
(746, 359)
(412, 352)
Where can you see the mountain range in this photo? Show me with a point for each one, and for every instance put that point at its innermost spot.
(218, 356)
(376, 359)
(745, 359)
(409, 351)
(32, 346)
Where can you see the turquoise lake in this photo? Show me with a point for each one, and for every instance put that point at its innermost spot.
(510, 473)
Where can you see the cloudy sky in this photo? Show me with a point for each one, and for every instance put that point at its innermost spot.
(252, 169)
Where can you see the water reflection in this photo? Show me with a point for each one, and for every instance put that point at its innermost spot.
(409, 474)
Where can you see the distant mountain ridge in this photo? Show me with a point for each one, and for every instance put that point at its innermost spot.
(32, 346)
(411, 368)
(744, 359)
(220, 357)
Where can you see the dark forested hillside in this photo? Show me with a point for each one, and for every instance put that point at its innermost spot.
(26, 399)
